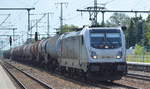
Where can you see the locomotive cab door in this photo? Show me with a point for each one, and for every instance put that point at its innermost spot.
(81, 43)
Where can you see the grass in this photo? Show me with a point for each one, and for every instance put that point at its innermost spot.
(138, 58)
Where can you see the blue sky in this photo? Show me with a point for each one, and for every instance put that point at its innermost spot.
(18, 19)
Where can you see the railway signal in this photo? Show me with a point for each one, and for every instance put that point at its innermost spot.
(10, 40)
(36, 36)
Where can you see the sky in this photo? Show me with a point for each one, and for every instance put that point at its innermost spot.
(18, 19)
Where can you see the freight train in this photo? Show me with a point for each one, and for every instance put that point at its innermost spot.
(95, 53)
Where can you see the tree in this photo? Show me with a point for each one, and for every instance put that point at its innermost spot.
(67, 28)
(147, 31)
(135, 27)
(30, 40)
(130, 35)
(139, 49)
(135, 32)
(118, 19)
(147, 38)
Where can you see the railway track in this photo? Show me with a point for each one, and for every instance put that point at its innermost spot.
(138, 76)
(101, 85)
(78, 83)
(121, 85)
(24, 79)
(137, 80)
(111, 85)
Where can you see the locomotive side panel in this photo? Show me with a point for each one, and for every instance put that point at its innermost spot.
(70, 55)
(73, 53)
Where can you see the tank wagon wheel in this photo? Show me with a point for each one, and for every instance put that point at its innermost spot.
(55, 65)
(111, 81)
(52, 65)
(61, 70)
(33, 61)
(83, 75)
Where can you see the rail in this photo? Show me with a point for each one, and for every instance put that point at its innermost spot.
(27, 74)
(22, 86)
(139, 66)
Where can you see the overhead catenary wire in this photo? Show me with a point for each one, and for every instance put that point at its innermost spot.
(38, 21)
(73, 17)
(137, 3)
(109, 2)
(23, 3)
(5, 20)
(83, 5)
(88, 3)
(36, 2)
(72, 14)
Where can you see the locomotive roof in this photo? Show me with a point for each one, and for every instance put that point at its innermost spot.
(71, 34)
(105, 28)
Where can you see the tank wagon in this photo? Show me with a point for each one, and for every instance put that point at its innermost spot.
(6, 54)
(96, 53)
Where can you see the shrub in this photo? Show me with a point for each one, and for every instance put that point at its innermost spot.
(139, 49)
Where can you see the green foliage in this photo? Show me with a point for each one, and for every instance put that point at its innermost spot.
(67, 28)
(118, 19)
(138, 58)
(130, 34)
(139, 49)
(134, 33)
(148, 38)
(148, 19)
(30, 40)
(147, 31)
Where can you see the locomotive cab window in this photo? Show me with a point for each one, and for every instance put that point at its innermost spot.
(103, 38)
(97, 40)
(114, 39)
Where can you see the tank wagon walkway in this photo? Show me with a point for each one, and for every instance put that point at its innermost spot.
(5, 82)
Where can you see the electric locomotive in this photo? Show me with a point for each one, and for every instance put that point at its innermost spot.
(99, 52)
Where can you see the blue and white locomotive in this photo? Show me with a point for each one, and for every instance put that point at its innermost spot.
(99, 52)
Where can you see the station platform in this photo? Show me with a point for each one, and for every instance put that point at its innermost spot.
(5, 81)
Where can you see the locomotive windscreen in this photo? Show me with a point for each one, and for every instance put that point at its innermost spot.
(105, 38)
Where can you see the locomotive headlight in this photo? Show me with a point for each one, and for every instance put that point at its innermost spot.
(93, 55)
(119, 55)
